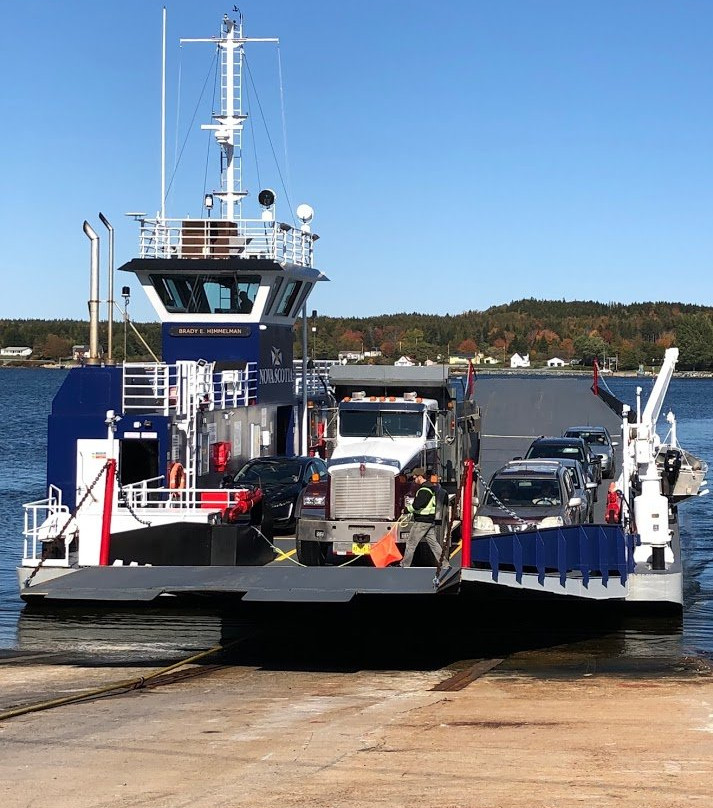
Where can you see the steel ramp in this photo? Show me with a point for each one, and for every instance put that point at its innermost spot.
(272, 583)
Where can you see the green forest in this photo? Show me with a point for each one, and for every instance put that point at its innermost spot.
(631, 335)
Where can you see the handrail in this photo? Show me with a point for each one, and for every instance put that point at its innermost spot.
(156, 387)
(222, 238)
(142, 496)
(40, 517)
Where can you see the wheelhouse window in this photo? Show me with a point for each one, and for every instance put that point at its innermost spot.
(207, 294)
(288, 299)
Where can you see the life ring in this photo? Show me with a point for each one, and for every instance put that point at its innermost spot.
(177, 477)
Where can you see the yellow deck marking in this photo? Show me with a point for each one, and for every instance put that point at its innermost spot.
(457, 549)
(286, 555)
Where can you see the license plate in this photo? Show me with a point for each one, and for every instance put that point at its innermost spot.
(360, 549)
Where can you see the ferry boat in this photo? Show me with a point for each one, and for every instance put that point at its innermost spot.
(135, 509)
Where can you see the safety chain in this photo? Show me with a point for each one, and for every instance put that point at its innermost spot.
(275, 548)
(500, 505)
(60, 535)
(125, 499)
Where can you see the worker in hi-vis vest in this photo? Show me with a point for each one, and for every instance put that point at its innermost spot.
(423, 526)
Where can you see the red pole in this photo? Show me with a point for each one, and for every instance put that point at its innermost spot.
(466, 511)
(106, 516)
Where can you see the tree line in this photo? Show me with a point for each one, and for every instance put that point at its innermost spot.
(630, 334)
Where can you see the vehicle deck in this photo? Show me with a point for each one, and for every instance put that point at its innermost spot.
(515, 410)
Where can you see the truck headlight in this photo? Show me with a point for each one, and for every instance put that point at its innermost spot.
(552, 521)
(314, 500)
(484, 524)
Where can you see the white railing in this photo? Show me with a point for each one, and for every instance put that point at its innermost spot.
(44, 519)
(221, 238)
(146, 495)
(317, 376)
(159, 388)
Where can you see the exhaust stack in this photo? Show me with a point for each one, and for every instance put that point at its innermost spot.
(109, 358)
(93, 296)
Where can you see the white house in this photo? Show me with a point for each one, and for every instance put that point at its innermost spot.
(15, 352)
(404, 362)
(351, 356)
(490, 360)
(556, 362)
(517, 361)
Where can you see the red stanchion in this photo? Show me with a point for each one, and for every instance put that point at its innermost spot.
(466, 510)
(106, 515)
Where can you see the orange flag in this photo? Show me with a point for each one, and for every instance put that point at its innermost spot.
(385, 551)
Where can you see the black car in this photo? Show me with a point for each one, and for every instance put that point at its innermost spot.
(527, 495)
(578, 448)
(282, 480)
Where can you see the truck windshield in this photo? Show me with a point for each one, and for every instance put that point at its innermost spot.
(374, 423)
(402, 424)
(358, 423)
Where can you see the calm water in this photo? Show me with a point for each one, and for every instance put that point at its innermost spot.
(25, 399)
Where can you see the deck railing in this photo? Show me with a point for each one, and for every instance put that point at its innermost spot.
(44, 520)
(153, 494)
(221, 238)
(156, 387)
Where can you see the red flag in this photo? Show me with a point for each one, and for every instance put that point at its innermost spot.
(385, 551)
(470, 382)
(595, 386)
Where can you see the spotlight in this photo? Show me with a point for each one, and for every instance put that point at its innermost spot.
(266, 197)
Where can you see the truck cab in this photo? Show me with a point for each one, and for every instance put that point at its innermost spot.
(383, 431)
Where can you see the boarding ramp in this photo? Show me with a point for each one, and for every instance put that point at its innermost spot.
(274, 583)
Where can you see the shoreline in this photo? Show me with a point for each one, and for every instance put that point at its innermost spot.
(542, 371)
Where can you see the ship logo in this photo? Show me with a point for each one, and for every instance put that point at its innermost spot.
(276, 374)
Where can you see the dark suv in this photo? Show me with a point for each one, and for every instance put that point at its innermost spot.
(556, 448)
(526, 495)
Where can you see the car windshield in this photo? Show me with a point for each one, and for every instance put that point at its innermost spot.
(555, 450)
(597, 438)
(524, 492)
(270, 472)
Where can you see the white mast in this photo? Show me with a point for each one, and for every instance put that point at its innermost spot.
(228, 127)
(163, 117)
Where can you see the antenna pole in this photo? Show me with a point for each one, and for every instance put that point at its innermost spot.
(163, 118)
(228, 125)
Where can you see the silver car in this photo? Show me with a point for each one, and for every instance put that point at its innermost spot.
(583, 487)
(600, 443)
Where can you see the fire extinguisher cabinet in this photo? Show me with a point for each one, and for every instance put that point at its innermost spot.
(219, 455)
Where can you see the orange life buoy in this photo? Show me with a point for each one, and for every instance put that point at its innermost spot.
(177, 476)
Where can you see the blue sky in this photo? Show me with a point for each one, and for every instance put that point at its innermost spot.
(458, 154)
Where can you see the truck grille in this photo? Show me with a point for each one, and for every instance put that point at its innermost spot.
(357, 496)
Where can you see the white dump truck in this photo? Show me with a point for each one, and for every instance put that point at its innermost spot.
(389, 420)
